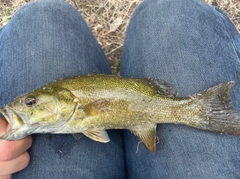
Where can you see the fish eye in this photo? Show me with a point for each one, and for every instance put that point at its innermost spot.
(30, 101)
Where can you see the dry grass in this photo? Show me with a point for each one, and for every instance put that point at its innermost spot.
(108, 19)
(230, 7)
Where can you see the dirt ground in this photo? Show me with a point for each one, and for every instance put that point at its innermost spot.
(108, 20)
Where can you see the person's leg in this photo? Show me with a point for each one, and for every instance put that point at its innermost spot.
(44, 41)
(192, 46)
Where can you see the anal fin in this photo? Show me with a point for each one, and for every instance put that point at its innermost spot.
(148, 136)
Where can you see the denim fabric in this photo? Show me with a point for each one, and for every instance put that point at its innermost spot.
(192, 46)
(44, 41)
(189, 44)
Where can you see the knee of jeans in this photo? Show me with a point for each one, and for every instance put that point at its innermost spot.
(44, 8)
(165, 9)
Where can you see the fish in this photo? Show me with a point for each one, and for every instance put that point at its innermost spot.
(91, 104)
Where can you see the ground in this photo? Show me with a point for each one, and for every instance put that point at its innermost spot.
(108, 20)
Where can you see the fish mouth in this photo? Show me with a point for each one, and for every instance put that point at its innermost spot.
(12, 117)
(6, 113)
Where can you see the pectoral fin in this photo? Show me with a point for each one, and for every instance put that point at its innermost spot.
(98, 107)
(147, 136)
(99, 135)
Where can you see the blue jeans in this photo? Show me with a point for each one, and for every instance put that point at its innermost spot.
(189, 44)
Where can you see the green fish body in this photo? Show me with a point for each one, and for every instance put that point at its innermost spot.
(92, 104)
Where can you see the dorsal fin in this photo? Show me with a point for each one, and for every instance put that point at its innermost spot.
(148, 136)
(165, 88)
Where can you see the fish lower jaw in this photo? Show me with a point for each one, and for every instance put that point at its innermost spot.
(7, 137)
(65, 131)
(19, 133)
(13, 135)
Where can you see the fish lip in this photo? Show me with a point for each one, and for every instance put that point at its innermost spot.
(7, 113)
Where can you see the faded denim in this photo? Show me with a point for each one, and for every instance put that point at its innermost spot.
(191, 45)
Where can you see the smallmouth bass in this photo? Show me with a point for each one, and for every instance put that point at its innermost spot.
(92, 104)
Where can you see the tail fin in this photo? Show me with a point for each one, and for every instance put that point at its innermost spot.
(220, 114)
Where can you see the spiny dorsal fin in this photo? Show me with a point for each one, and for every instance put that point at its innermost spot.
(99, 135)
(147, 136)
